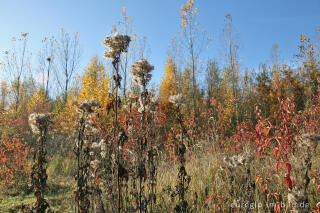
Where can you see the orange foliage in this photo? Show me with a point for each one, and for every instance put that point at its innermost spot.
(13, 159)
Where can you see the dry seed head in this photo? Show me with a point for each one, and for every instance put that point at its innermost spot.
(146, 108)
(308, 140)
(103, 145)
(95, 164)
(95, 145)
(230, 161)
(296, 196)
(237, 160)
(140, 72)
(86, 144)
(154, 99)
(89, 106)
(39, 122)
(245, 158)
(117, 44)
(130, 129)
(148, 103)
(176, 100)
(103, 154)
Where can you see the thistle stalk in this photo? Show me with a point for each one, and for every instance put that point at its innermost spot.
(117, 44)
(39, 124)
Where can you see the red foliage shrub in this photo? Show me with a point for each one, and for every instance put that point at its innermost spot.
(13, 159)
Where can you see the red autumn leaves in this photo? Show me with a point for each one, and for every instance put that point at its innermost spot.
(13, 159)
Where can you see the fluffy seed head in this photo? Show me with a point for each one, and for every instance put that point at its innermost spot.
(237, 160)
(140, 72)
(176, 100)
(89, 106)
(308, 140)
(95, 164)
(39, 122)
(103, 154)
(117, 44)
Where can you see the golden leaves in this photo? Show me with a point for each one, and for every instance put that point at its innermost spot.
(114, 28)
(303, 38)
(24, 34)
(95, 83)
(187, 13)
(167, 85)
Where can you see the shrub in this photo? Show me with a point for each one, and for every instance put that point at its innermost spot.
(13, 162)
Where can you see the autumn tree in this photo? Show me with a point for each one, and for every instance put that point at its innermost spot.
(193, 41)
(17, 66)
(310, 65)
(47, 55)
(3, 95)
(95, 83)
(275, 56)
(231, 71)
(286, 83)
(38, 102)
(68, 58)
(168, 83)
(263, 89)
(213, 80)
(187, 89)
(293, 87)
(248, 97)
(14, 121)
(228, 99)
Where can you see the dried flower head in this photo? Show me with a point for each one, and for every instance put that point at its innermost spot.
(144, 104)
(154, 99)
(103, 154)
(245, 158)
(176, 100)
(39, 122)
(145, 108)
(95, 145)
(89, 106)
(308, 140)
(117, 44)
(92, 130)
(140, 72)
(86, 144)
(103, 145)
(237, 160)
(296, 197)
(231, 162)
(95, 164)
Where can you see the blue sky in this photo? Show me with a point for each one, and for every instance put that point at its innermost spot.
(260, 24)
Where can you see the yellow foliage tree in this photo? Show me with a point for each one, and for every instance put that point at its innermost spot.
(95, 83)
(228, 100)
(187, 13)
(3, 95)
(168, 82)
(39, 102)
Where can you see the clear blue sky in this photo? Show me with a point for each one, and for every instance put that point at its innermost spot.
(260, 24)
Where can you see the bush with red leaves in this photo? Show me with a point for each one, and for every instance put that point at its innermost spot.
(13, 159)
